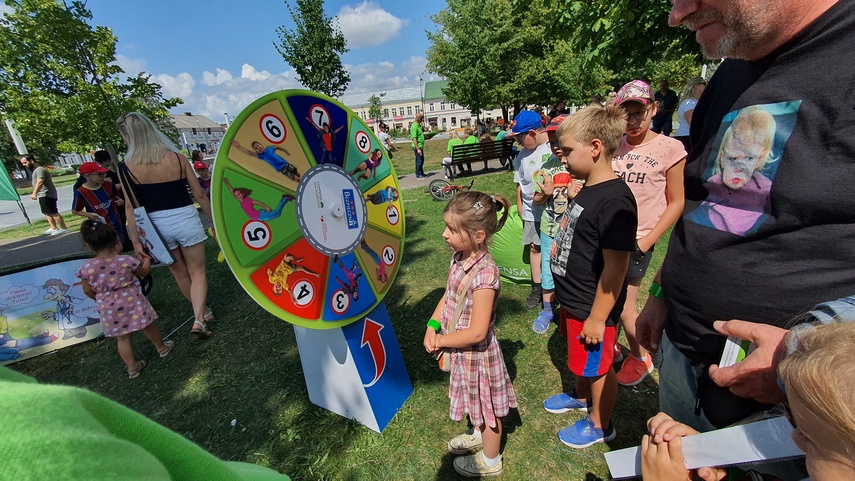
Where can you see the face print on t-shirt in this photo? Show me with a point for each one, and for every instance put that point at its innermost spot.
(741, 168)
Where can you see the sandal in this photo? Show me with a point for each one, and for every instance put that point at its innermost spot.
(135, 373)
(209, 315)
(202, 332)
(167, 347)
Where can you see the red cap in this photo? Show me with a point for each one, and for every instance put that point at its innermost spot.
(556, 121)
(92, 168)
(199, 165)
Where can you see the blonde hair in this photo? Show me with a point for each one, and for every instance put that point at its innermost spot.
(607, 124)
(752, 126)
(689, 89)
(473, 211)
(821, 373)
(146, 144)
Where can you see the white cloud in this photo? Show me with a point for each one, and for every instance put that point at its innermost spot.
(223, 92)
(210, 79)
(247, 71)
(131, 66)
(368, 25)
(179, 86)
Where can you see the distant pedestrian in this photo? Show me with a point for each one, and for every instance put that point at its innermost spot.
(418, 139)
(45, 193)
(666, 100)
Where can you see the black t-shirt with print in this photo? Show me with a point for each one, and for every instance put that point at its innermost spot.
(768, 248)
(602, 216)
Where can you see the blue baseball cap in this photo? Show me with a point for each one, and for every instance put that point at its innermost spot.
(525, 121)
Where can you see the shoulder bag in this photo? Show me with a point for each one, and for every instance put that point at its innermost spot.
(152, 241)
(444, 356)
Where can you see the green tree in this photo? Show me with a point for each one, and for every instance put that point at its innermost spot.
(620, 35)
(314, 48)
(59, 80)
(375, 108)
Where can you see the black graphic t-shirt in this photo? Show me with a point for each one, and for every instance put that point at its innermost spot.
(602, 216)
(768, 229)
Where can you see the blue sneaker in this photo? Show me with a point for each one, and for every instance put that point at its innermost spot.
(563, 402)
(583, 434)
(541, 324)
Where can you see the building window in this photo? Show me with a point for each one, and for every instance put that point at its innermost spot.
(394, 111)
(385, 113)
(430, 107)
(442, 107)
(453, 106)
(418, 109)
(363, 115)
(409, 110)
(453, 121)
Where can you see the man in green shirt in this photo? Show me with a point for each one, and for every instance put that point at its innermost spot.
(418, 137)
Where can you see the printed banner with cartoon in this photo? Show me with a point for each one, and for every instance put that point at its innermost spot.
(44, 309)
(307, 210)
(740, 171)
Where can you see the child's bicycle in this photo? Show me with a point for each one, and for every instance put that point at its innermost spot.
(443, 190)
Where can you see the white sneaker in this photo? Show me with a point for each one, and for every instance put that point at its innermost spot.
(59, 232)
(49, 232)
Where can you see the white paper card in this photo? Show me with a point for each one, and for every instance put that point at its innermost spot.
(763, 440)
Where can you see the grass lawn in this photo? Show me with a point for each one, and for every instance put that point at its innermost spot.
(58, 181)
(40, 225)
(249, 373)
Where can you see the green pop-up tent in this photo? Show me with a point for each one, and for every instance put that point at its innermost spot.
(8, 192)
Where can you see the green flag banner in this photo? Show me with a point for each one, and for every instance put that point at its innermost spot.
(7, 190)
(508, 252)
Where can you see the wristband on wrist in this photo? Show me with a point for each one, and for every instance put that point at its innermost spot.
(656, 290)
(433, 323)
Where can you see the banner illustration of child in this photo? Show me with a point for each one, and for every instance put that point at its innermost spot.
(369, 166)
(381, 264)
(389, 194)
(351, 287)
(269, 155)
(326, 136)
(248, 204)
(278, 278)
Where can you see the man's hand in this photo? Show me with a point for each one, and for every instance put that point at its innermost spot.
(755, 376)
(650, 324)
(33, 195)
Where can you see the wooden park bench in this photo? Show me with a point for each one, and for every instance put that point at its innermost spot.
(480, 152)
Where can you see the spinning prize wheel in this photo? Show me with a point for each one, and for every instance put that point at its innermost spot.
(307, 210)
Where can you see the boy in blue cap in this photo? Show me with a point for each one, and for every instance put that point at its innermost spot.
(530, 135)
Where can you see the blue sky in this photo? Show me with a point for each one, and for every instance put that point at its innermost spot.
(218, 55)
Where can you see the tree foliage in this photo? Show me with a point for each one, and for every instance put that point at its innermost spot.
(59, 80)
(314, 48)
(498, 53)
(375, 108)
(498, 56)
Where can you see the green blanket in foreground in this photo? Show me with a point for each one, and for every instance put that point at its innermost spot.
(63, 432)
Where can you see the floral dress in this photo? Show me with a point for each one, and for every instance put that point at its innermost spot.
(480, 385)
(121, 305)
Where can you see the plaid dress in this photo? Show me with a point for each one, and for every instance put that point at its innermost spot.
(480, 385)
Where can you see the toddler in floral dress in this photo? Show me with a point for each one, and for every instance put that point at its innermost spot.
(111, 279)
(480, 385)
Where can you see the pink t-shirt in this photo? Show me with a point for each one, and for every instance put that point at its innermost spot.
(643, 168)
(246, 205)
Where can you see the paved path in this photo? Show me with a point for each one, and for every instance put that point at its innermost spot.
(30, 250)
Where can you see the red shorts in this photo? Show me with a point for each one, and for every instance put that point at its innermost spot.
(587, 360)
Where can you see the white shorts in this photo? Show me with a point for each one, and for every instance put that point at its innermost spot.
(179, 226)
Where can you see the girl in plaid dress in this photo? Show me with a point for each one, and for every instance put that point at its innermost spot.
(480, 385)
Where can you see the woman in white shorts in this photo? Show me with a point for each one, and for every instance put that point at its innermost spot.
(160, 177)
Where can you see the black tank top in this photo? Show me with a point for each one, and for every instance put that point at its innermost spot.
(162, 195)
